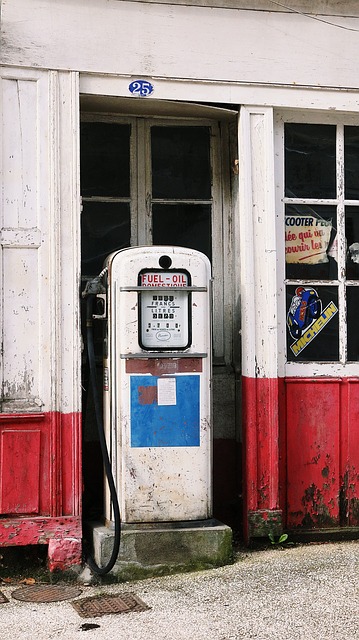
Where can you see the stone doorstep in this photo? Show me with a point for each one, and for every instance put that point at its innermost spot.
(162, 548)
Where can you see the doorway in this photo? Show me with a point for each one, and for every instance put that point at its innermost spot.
(152, 180)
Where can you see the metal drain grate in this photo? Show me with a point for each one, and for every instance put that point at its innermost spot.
(102, 605)
(46, 593)
(3, 598)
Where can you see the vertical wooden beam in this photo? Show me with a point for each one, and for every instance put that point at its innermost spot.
(259, 321)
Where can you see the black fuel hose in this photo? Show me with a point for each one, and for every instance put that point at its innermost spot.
(106, 460)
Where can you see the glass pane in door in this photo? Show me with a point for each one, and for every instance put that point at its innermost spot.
(105, 227)
(185, 225)
(352, 242)
(351, 162)
(310, 242)
(310, 156)
(312, 323)
(181, 162)
(105, 153)
(352, 323)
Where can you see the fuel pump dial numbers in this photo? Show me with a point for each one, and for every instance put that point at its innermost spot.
(164, 311)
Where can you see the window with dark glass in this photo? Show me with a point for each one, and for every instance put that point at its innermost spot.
(310, 161)
(351, 156)
(180, 193)
(310, 247)
(311, 243)
(152, 181)
(181, 187)
(105, 190)
(351, 213)
(322, 242)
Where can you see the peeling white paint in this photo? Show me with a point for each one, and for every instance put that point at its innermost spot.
(38, 253)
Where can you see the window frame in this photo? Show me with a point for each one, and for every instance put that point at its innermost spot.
(141, 204)
(340, 120)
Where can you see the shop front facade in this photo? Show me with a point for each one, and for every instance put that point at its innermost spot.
(227, 127)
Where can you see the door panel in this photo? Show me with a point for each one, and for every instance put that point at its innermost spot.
(26, 481)
(313, 453)
(151, 181)
(20, 456)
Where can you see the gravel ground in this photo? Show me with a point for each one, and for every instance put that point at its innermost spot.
(297, 593)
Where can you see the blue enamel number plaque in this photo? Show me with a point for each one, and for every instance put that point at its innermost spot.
(141, 88)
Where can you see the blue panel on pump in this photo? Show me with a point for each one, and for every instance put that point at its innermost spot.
(165, 411)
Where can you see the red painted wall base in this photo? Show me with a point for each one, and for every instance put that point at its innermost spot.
(41, 485)
(62, 535)
(301, 454)
(262, 512)
(321, 453)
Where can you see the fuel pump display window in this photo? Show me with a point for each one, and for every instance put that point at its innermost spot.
(164, 310)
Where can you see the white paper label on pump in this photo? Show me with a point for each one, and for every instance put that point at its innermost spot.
(166, 391)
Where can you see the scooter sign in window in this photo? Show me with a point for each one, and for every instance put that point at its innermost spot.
(164, 314)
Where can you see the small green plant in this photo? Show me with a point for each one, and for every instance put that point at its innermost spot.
(281, 541)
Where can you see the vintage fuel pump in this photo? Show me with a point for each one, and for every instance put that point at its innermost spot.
(157, 383)
(157, 409)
